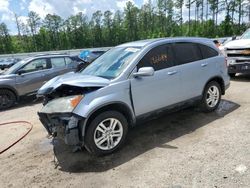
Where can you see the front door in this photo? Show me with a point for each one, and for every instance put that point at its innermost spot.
(160, 90)
(32, 76)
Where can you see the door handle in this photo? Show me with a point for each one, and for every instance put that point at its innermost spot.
(204, 64)
(172, 73)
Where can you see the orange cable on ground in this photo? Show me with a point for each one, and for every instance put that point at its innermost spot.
(15, 122)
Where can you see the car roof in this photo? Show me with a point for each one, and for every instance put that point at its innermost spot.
(143, 43)
(51, 55)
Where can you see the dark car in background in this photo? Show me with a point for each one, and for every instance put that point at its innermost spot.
(88, 56)
(28, 75)
(7, 63)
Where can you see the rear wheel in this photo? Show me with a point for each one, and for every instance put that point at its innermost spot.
(7, 99)
(211, 97)
(232, 74)
(106, 133)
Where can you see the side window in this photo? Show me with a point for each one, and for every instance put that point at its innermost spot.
(35, 65)
(57, 62)
(160, 57)
(186, 52)
(207, 52)
(68, 60)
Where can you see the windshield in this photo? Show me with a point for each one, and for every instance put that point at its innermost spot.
(246, 35)
(112, 63)
(16, 66)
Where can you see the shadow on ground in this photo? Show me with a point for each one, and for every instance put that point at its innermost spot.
(142, 138)
(241, 78)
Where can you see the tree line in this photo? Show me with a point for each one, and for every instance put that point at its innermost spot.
(165, 18)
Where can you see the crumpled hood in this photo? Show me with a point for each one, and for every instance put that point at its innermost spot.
(241, 43)
(73, 79)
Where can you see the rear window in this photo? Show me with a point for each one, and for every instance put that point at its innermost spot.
(57, 62)
(186, 52)
(207, 52)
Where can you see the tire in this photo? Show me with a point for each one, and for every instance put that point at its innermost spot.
(97, 133)
(232, 75)
(7, 99)
(212, 91)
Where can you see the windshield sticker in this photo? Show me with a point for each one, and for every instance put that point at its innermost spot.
(132, 50)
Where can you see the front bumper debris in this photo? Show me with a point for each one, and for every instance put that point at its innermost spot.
(65, 126)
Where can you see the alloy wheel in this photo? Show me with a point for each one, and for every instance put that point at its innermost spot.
(108, 134)
(213, 95)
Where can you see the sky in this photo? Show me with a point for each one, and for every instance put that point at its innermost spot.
(63, 8)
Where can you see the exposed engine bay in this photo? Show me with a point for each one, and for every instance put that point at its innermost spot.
(67, 90)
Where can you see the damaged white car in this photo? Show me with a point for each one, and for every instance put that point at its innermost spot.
(95, 107)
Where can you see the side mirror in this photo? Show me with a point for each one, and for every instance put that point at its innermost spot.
(144, 71)
(20, 72)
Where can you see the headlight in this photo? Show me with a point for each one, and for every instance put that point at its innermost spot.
(223, 51)
(76, 100)
(62, 105)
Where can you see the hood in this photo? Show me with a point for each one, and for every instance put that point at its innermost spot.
(241, 43)
(73, 79)
(6, 76)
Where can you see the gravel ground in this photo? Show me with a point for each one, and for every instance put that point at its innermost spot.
(183, 149)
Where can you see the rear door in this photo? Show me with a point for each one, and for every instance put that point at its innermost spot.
(160, 90)
(189, 59)
(71, 65)
(58, 65)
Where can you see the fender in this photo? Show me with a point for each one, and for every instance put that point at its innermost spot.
(220, 80)
(125, 107)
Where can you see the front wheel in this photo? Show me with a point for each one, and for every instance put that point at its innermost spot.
(7, 99)
(106, 133)
(211, 97)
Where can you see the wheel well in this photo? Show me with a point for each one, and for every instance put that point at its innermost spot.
(220, 81)
(11, 90)
(122, 108)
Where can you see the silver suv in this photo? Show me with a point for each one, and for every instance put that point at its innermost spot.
(28, 75)
(131, 82)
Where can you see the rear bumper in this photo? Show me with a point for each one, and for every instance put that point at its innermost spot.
(239, 68)
(65, 126)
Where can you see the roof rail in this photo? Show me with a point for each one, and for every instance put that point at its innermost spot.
(38, 55)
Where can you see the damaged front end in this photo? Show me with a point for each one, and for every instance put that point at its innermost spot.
(61, 96)
(59, 121)
(64, 126)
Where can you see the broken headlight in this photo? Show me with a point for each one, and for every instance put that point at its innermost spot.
(62, 105)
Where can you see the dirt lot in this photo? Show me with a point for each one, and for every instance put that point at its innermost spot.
(184, 149)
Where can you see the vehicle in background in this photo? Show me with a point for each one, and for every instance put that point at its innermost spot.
(238, 54)
(88, 56)
(222, 40)
(7, 63)
(81, 64)
(129, 83)
(28, 75)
